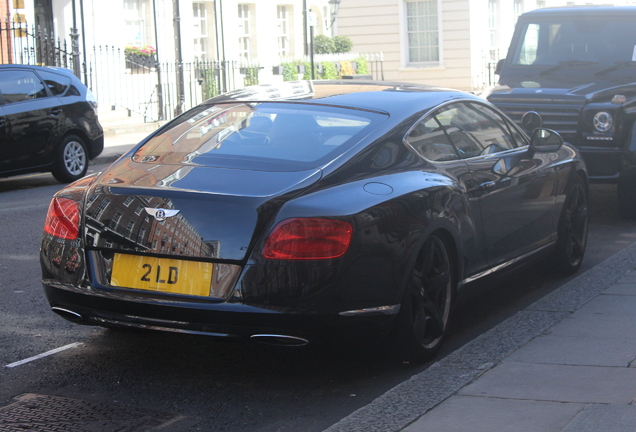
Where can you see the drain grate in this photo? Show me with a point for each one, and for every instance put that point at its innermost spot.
(32, 412)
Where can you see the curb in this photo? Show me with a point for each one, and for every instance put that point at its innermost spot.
(408, 401)
(107, 159)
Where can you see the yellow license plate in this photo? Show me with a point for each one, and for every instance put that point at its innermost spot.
(162, 275)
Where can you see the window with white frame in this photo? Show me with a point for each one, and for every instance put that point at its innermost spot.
(134, 22)
(140, 236)
(283, 30)
(423, 32)
(129, 229)
(245, 28)
(115, 220)
(493, 19)
(518, 8)
(200, 15)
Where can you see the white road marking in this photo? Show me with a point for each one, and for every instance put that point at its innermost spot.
(45, 354)
(25, 207)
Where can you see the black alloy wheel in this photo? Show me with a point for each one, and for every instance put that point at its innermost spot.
(71, 160)
(573, 227)
(426, 308)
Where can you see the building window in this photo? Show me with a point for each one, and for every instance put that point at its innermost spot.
(283, 30)
(200, 31)
(102, 206)
(423, 31)
(129, 229)
(115, 221)
(493, 11)
(135, 26)
(245, 27)
(518, 8)
(142, 233)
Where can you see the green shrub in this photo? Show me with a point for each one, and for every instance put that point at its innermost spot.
(363, 66)
(209, 84)
(290, 73)
(323, 45)
(329, 70)
(251, 76)
(342, 44)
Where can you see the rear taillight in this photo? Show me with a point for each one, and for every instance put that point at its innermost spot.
(62, 219)
(308, 239)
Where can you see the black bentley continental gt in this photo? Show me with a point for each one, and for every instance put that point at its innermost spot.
(308, 210)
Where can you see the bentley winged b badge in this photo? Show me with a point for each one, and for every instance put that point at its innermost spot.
(161, 214)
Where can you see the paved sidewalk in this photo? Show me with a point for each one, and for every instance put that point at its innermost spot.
(577, 376)
(565, 364)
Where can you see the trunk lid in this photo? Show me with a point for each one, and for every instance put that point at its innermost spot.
(185, 210)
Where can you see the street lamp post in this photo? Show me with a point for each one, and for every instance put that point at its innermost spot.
(180, 82)
(334, 5)
(312, 24)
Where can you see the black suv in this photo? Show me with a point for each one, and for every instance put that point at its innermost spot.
(48, 122)
(573, 70)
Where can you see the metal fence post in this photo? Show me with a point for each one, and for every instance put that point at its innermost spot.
(75, 52)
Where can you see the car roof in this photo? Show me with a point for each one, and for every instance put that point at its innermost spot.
(579, 11)
(59, 70)
(381, 96)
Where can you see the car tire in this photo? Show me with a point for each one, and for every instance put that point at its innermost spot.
(426, 307)
(626, 192)
(572, 231)
(71, 161)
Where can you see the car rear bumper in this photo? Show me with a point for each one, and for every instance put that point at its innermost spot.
(95, 147)
(224, 319)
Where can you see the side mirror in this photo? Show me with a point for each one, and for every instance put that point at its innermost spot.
(545, 141)
(499, 66)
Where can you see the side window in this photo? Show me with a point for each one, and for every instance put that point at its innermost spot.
(520, 139)
(475, 129)
(429, 140)
(18, 86)
(57, 84)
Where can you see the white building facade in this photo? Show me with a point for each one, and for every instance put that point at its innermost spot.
(450, 43)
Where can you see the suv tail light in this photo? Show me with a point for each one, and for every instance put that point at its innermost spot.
(62, 219)
(308, 239)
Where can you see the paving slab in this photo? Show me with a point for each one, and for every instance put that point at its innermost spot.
(577, 350)
(629, 277)
(623, 288)
(479, 414)
(559, 383)
(607, 303)
(607, 316)
(606, 418)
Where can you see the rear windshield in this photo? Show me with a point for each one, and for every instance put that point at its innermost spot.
(591, 40)
(262, 136)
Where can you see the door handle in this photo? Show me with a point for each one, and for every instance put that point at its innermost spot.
(487, 185)
(56, 111)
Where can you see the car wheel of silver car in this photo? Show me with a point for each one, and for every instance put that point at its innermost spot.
(72, 160)
(573, 226)
(426, 307)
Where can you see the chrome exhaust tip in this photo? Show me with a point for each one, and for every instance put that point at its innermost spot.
(68, 314)
(279, 340)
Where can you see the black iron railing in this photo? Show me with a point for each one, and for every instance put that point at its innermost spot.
(24, 44)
